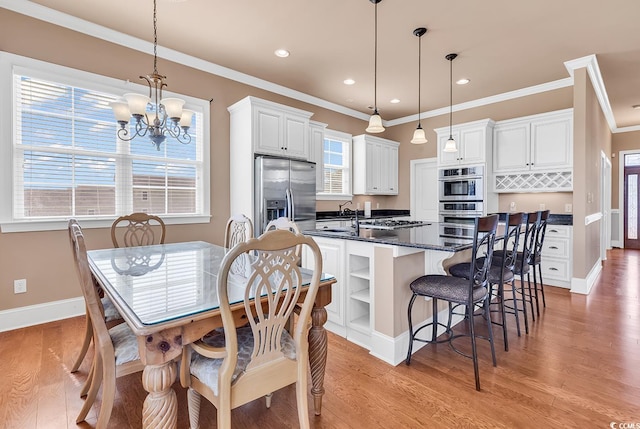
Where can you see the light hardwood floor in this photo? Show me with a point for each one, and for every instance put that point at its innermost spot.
(578, 367)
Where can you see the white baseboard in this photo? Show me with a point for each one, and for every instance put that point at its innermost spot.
(394, 350)
(616, 243)
(583, 286)
(21, 317)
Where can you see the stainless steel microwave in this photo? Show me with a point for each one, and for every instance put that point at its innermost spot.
(461, 184)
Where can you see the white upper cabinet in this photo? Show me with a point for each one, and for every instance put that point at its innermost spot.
(473, 140)
(534, 143)
(316, 153)
(375, 165)
(274, 129)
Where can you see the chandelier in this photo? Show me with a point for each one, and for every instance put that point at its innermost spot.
(155, 116)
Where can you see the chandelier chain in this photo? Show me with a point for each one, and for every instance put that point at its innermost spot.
(155, 39)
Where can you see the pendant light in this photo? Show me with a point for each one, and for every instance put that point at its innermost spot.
(450, 146)
(375, 121)
(418, 135)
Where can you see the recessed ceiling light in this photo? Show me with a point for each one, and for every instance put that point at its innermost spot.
(282, 53)
(463, 81)
(348, 81)
(636, 106)
(394, 101)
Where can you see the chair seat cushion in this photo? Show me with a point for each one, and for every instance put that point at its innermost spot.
(110, 311)
(497, 260)
(449, 288)
(463, 269)
(207, 369)
(125, 344)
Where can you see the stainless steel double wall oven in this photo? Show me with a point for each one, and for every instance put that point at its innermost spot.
(461, 195)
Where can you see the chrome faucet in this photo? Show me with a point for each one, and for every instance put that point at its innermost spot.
(356, 224)
(340, 206)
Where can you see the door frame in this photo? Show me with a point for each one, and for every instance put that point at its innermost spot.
(621, 155)
(605, 205)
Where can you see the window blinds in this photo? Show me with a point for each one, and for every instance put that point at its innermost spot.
(68, 160)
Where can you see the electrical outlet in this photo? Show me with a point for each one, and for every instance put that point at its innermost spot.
(512, 206)
(568, 208)
(542, 206)
(20, 286)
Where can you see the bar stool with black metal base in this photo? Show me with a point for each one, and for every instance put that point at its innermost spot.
(502, 271)
(456, 290)
(537, 258)
(522, 268)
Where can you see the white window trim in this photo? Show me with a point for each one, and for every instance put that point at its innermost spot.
(348, 138)
(40, 69)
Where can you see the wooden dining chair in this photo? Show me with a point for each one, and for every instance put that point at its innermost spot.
(137, 229)
(239, 229)
(288, 225)
(116, 349)
(233, 366)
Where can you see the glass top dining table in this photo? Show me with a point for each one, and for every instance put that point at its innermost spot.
(160, 283)
(167, 295)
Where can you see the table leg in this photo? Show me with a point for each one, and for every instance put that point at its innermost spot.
(160, 409)
(317, 355)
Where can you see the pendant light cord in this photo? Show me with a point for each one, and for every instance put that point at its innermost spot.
(375, 62)
(419, 63)
(451, 97)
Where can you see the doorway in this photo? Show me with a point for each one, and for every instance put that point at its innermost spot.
(631, 201)
(424, 189)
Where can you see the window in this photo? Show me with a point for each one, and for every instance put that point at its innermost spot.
(337, 162)
(66, 160)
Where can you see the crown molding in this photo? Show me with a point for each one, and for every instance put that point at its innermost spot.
(536, 89)
(590, 62)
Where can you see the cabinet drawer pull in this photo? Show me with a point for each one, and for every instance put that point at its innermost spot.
(553, 269)
(553, 247)
(553, 230)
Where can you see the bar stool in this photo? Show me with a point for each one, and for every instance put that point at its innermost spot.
(522, 268)
(456, 290)
(537, 258)
(502, 271)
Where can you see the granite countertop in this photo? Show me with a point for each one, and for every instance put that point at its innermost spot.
(422, 237)
(375, 214)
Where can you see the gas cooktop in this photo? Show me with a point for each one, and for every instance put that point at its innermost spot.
(391, 224)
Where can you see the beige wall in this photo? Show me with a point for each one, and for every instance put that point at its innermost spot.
(620, 142)
(591, 136)
(43, 258)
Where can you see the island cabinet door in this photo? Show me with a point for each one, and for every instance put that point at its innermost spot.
(333, 256)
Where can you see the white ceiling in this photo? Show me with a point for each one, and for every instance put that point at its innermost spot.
(503, 45)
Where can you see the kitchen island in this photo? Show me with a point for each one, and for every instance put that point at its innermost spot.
(373, 271)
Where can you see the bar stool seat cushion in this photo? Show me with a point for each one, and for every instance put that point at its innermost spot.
(463, 269)
(454, 289)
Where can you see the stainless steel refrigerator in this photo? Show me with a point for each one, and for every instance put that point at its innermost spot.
(284, 187)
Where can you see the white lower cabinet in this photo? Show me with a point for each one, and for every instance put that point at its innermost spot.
(333, 254)
(351, 263)
(556, 256)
